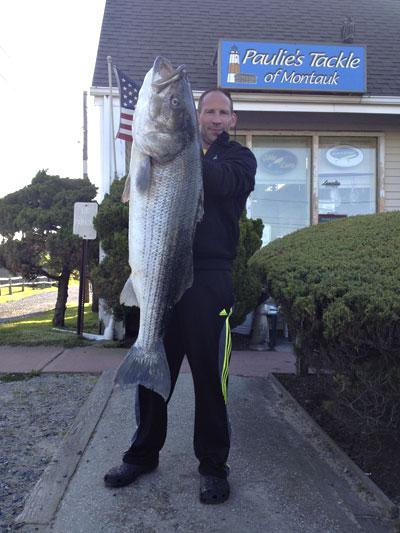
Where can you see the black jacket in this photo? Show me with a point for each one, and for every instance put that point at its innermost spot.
(228, 176)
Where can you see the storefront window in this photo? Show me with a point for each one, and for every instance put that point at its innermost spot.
(282, 193)
(347, 177)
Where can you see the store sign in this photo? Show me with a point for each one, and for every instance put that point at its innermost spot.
(291, 67)
(344, 156)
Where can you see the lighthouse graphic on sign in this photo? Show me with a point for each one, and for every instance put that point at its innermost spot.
(234, 64)
(234, 74)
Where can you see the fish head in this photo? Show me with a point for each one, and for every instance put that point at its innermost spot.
(165, 117)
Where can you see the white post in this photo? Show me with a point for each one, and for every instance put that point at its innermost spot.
(114, 158)
(105, 316)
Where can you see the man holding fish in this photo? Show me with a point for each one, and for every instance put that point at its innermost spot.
(183, 231)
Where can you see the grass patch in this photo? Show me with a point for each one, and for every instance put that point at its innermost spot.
(38, 330)
(7, 378)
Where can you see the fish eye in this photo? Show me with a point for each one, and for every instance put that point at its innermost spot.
(174, 101)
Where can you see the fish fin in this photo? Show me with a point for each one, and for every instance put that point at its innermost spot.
(140, 169)
(126, 191)
(128, 296)
(143, 173)
(146, 367)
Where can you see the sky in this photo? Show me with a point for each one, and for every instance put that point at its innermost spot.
(47, 57)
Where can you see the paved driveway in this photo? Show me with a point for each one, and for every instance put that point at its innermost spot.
(36, 303)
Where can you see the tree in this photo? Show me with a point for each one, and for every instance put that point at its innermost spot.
(36, 227)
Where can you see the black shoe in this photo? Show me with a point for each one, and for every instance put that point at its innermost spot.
(124, 474)
(213, 489)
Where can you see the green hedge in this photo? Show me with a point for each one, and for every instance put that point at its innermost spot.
(339, 287)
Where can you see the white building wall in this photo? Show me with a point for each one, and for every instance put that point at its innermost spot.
(103, 149)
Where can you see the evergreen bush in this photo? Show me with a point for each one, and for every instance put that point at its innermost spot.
(339, 287)
(246, 285)
(111, 224)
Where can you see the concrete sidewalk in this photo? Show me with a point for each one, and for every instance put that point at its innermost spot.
(285, 477)
(96, 359)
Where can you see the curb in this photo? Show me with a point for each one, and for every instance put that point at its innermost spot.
(43, 501)
(391, 510)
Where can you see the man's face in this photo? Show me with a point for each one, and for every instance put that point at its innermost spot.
(215, 117)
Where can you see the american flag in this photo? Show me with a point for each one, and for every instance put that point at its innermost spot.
(128, 95)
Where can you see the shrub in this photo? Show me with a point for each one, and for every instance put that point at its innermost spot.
(339, 287)
(111, 224)
(246, 284)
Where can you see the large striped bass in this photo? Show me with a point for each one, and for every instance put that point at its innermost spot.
(165, 204)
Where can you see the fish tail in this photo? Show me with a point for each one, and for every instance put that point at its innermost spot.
(146, 367)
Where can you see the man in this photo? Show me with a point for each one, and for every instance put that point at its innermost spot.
(199, 327)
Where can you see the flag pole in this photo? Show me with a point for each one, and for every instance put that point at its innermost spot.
(85, 136)
(109, 61)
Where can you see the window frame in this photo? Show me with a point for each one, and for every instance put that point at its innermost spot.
(315, 137)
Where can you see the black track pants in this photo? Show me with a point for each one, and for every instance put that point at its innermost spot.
(199, 328)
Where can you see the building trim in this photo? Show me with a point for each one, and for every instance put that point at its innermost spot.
(310, 133)
(303, 103)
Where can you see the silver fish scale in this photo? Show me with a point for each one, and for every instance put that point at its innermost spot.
(161, 258)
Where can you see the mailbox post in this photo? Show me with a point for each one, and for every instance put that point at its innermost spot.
(84, 213)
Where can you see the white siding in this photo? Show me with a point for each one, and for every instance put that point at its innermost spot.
(392, 171)
(103, 148)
